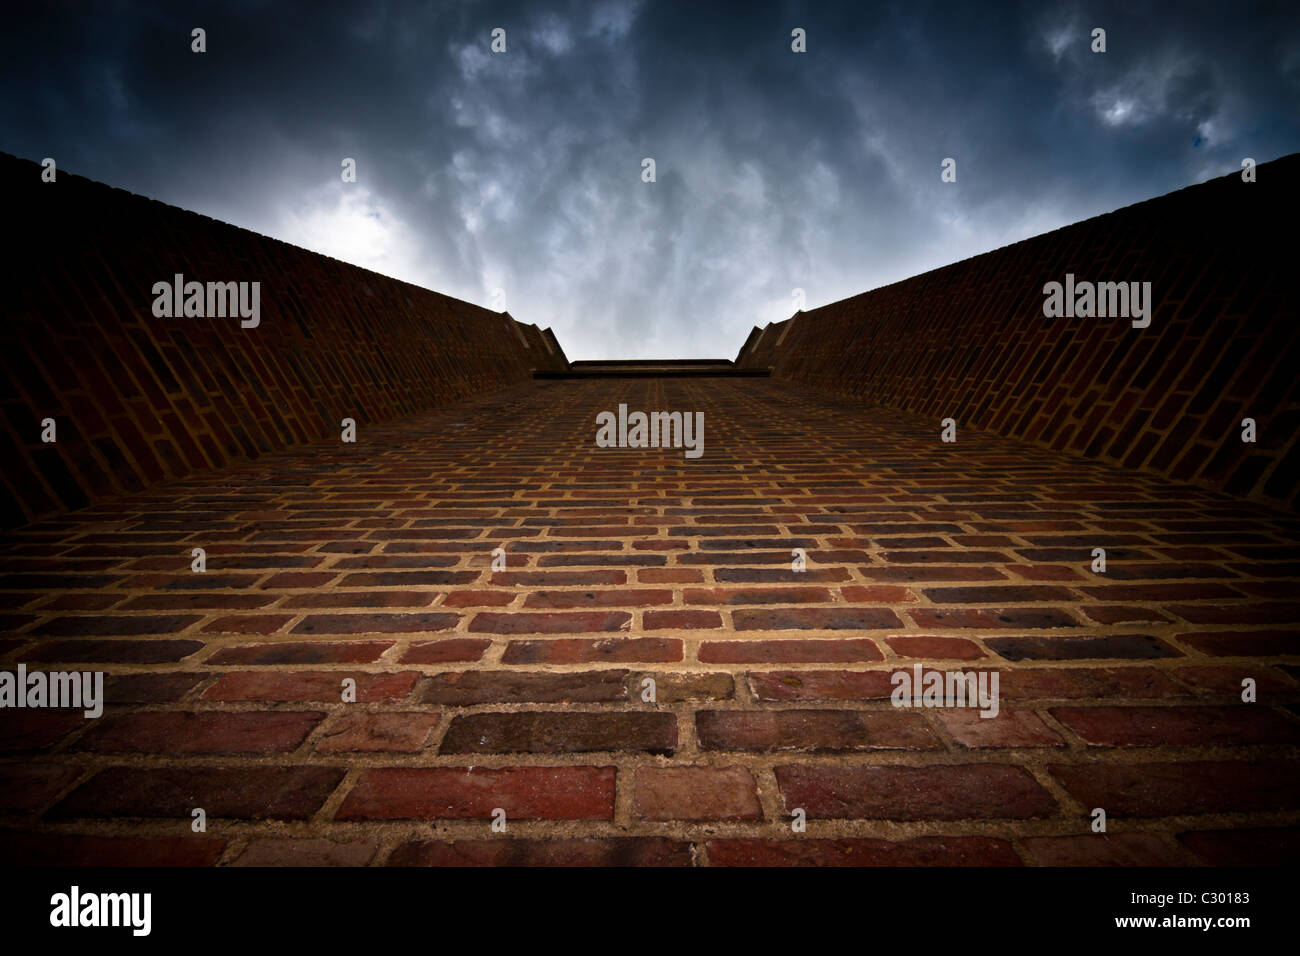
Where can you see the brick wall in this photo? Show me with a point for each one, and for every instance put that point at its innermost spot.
(969, 341)
(139, 399)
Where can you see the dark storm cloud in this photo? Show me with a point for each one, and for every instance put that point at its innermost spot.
(776, 170)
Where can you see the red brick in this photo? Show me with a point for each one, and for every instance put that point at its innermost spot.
(1123, 614)
(445, 651)
(553, 732)
(1017, 617)
(669, 576)
(1042, 683)
(1202, 725)
(983, 791)
(1225, 680)
(779, 652)
(245, 793)
(375, 623)
(558, 579)
(813, 730)
(352, 599)
(112, 626)
(815, 618)
(1188, 787)
(877, 594)
(151, 688)
(696, 793)
(1010, 728)
(624, 597)
(577, 650)
(558, 622)
(935, 648)
(362, 732)
(209, 732)
(681, 620)
(302, 652)
(310, 686)
(499, 687)
(731, 596)
(480, 598)
(524, 793)
(821, 685)
(997, 594)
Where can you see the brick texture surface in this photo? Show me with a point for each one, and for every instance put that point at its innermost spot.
(475, 638)
(674, 718)
(969, 341)
(139, 399)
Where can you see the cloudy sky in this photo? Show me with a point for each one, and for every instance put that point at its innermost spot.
(776, 170)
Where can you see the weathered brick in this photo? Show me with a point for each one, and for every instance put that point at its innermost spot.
(674, 686)
(686, 620)
(1010, 728)
(935, 648)
(1186, 787)
(524, 793)
(309, 686)
(87, 850)
(361, 732)
(696, 793)
(778, 652)
(623, 597)
(502, 687)
(302, 652)
(561, 732)
(1018, 617)
(200, 733)
(1081, 647)
(1178, 726)
(395, 623)
(984, 791)
(815, 618)
(813, 730)
(445, 651)
(557, 622)
(245, 793)
(585, 650)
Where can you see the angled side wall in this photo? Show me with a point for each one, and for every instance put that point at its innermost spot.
(139, 399)
(969, 341)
